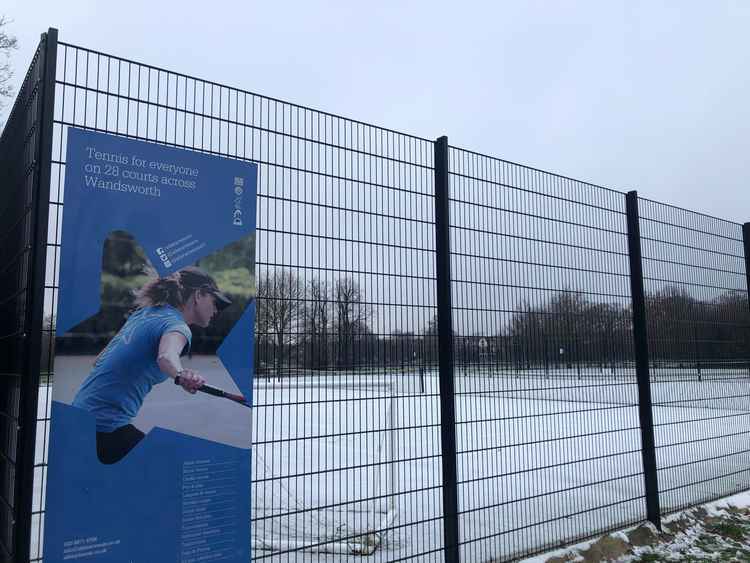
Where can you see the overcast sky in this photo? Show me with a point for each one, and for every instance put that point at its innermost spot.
(644, 95)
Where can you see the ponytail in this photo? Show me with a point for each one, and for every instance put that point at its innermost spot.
(175, 289)
(163, 291)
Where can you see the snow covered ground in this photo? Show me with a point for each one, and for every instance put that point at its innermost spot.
(716, 531)
(542, 460)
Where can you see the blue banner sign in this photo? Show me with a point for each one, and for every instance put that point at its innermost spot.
(151, 413)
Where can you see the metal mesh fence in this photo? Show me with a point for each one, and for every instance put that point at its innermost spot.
(698, 321)
(345, 268)
(548, 436)
(349, 437)
(23, 181)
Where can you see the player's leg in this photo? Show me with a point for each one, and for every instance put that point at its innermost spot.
(111, 447)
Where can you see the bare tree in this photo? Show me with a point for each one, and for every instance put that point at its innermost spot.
(8, 43)
(280, 308)
(318, 323)
(586, 331)
(403, 348)
(430, 340)
(352, 316)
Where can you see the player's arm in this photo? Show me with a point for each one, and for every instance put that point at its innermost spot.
(171, 345)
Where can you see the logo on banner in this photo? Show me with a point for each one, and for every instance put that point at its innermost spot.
(164, 258)
(238, 191)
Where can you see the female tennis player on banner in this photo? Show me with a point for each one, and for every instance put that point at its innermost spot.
(145, 352)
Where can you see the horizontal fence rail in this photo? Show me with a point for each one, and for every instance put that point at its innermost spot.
(445, 356)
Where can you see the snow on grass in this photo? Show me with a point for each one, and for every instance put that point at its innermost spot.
(716, 531)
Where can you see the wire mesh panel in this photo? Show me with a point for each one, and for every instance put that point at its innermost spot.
(24, 167)
(547, 425)
(347, 420)
(698, 330)
(346, 450)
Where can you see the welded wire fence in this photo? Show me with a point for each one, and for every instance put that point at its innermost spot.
(344, 261)
(698, 324)
(541, 289)
(24, 189)
(358, 440)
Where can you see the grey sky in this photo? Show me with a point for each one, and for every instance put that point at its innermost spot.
(632, 95)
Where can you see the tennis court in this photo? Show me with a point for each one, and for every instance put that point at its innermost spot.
(347, 464)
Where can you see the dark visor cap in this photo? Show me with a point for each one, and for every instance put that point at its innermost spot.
(222, 301)
(197, 279)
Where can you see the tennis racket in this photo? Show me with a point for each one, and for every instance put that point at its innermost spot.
(216, 392)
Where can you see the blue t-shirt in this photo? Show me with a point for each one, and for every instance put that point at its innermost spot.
(126, 369)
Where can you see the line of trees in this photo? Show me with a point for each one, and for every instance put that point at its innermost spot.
(318, 324)
(572, 329)
(684, 328)
(322, 325)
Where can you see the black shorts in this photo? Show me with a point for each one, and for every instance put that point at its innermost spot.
(111, 447)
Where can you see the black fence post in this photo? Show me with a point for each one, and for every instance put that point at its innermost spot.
(445, 351)
(746, 241)
(34, 321)
(640, 337)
